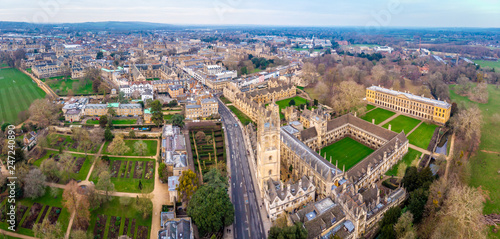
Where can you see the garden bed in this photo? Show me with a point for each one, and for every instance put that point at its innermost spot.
(31, 219)
(100, 227)
(54, 214)
(115, 168)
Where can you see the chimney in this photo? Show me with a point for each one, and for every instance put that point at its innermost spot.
(373, 121)
(385, 156)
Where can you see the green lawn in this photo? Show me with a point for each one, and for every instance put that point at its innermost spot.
(407, 159)
(284, 103)
(152, 145)
(47, 202)
(131, 184)
(225, 100)
(402, 122)
(484, 166)
(114, 208)
(369, 107)
(241, 116)
(70, 84)
(491, 64)
(379, 115)
(421, 137)
(167, 117)
(17, 92)
(347, 151)
(124, 121)
(84, 170)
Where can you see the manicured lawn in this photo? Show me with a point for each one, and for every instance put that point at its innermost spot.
(402, 122)
(347, 151)
(369, 107)
(84, 170)
(284, 103)
(70, 84)
(167, 117)
(407, 159)
(151, 151)
(421, 137)
(91, 121)
(379, 115)
(491, 64)
(484, 166)
(124, 121)
(17, 92)
(241, 116)
(114, 208)
(225, 100)
(47, 202)
(125, 178)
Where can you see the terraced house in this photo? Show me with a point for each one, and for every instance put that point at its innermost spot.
(429, 109)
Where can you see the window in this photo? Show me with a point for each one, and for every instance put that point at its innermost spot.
(270, 172)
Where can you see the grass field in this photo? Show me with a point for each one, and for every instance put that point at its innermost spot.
(285, 103)
(241, 116)
(152, 144)
(67, 143)
(124, 121)
(115, 208)
(17, 92)
(347, 151)
(131, 184)
(58, 87)
(47, 201)
(484, 166)
(369, 107)
(491, 64)
(379, 115)
(422, 135)
(402, 122)
(225, 100)
(407, 159)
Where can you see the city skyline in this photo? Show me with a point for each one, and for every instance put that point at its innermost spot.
(368, 14)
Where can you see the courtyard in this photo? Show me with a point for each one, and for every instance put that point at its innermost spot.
(347, 151)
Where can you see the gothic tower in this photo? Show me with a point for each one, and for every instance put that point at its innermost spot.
(268, 146)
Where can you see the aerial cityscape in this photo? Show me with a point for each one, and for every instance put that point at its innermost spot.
(229, 119)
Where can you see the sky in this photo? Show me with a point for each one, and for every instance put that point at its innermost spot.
(364, 13)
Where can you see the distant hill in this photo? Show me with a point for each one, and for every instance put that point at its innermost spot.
(110, 26)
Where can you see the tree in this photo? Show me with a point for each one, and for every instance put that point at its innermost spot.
(177, 120)
(462, 214)
(97, 136)
(414, 179)
(188, 184)
(136, 94)
(108, 135)
(34, 184)
(464, 86)
(80, 234)
(4, 126)
(111, 113)
(103, 121)
(49, 168)
(157, 114)
(291, 102)
(144, 205)
(118, 146)
(131, 134)
(199, 136)
(66, 165)
(44, 112)
(297, 231)
(77, 203)
(140, 147)
(416, 203)
(104, 183)
(47, 230)
(99, 55)
(348, 95)
(211, 209)
(467, 123)
(404, 226)
(386, 224)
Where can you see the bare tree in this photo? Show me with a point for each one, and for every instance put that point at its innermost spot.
(44, 112)
(348, 96)
(136, 94)
(104, 183)
(34, 184)
(140, 147)
(118, 146)
(467, 123)
(404, 226)
(77, 203)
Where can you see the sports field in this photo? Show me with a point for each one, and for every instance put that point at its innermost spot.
(17, 92)
(491, 64)
(402, 122)
(421, 137)
(379, 115)
(347, 151)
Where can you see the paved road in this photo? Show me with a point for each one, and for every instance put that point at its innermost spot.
(248, 221)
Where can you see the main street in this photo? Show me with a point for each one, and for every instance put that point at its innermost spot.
(248, 221)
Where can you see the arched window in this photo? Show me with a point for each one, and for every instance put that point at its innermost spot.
(270, 172)
(270, 158)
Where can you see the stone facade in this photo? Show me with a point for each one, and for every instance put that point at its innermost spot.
(418, 106)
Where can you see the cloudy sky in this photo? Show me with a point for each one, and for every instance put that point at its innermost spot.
(414, 13)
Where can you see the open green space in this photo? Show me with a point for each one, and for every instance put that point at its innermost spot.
(347, 151)
(484, 166)
(167, 117)
(17, 92)
(65, 142)
(402, 122)
(491, 64)
(369, 107)
(421, 137)
(225, 100)
(151, 151)
(407, 159)
(124, 121)
(62, 86)
(126, 173)
(80, 174)
(285, 103)
(123, 213)
(379, 115)
(241, 116)
(48, 203)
